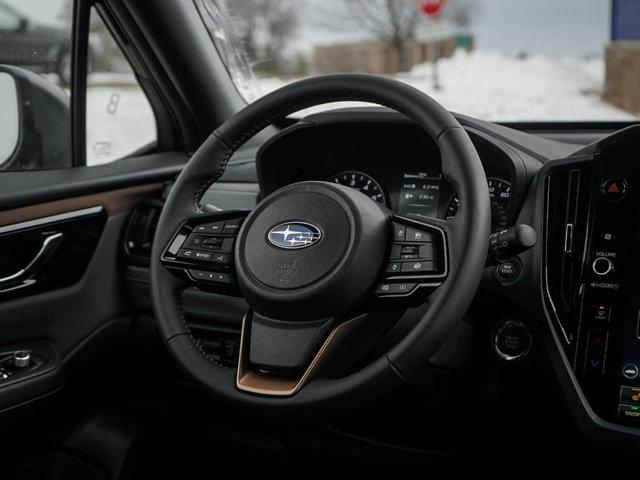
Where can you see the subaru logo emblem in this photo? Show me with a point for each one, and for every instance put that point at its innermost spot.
(294, 235)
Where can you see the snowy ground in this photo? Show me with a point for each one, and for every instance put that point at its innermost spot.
(491, 86)
(486, 85)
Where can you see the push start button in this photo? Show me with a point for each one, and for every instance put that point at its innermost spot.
(512, 340)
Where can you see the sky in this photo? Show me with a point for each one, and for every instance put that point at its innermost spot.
(555, 27)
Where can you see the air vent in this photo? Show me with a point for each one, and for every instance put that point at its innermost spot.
(567, 196)
(142, 227)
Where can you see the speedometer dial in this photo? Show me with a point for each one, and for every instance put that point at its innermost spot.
(500, 194)
(362, 182)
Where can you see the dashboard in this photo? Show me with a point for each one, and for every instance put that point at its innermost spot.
(395, 164)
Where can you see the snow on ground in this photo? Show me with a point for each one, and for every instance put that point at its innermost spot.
(482, 84)
(491, 86)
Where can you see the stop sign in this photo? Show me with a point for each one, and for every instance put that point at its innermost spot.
(431, 8)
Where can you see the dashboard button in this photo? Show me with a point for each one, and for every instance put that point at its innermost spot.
(602, 266)
(512, 340)
(418, 267)
(630, 395)
(594, 364)
(630, 371)
(614, 189)
(601, 312)
(507, 270)
(415, 235)
(399, 232)
(629, 412)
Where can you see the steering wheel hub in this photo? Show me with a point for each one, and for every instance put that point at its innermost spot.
(311, 250)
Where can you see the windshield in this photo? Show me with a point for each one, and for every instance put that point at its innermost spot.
(498, 60)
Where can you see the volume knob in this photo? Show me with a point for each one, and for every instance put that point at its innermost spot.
(602, 266)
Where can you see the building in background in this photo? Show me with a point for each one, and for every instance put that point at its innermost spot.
(622, 57)
(377, 57)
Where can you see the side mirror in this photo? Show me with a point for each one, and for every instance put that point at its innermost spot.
(35, 122)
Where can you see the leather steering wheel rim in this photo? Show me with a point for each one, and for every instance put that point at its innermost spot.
(469, 233)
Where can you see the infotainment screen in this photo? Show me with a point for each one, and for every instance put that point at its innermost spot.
(419, 194)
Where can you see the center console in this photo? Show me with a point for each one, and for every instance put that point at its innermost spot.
(591, 261)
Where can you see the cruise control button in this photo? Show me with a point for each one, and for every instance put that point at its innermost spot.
(418, 267)
(222, 258)
(630, 395)
(394, 267)
(231, 227)
(195, 241)
(215, 227)
(399, 232)
(415, 235)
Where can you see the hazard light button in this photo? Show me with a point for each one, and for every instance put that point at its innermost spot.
(614, 189)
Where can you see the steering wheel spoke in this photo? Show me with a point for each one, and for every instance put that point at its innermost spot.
(200, 252)
(418, 260)
(279, 357)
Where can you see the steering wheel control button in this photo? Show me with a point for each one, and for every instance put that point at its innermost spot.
(415, 235)
(602, 266)
(214, 277)
(399, 232)
(227, 245)
(507, 271)
(418, 267)
(231, 227)
(224, 259)
(512, 340)
(195, 255)
(630, 371)
(630, 395)
(395, 289)
(196, 241)
(629, 412)
(209, 228)
(614, 189)
(394, 267)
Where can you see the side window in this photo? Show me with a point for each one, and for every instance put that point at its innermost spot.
(116, 106)
(35, 66)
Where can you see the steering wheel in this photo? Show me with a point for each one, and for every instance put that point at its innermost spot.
(314, 259)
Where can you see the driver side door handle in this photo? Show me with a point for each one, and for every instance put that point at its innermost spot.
(49, 245)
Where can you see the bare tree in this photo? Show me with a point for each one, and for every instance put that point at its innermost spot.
(264, 26)
(392, 21)
(462, 12)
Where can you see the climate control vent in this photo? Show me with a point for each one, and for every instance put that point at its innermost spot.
(142, 228)
(567, 200)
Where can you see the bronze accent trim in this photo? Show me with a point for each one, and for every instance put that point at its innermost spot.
(263, 384)
(113, 202)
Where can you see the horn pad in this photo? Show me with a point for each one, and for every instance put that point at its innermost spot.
(311, 250)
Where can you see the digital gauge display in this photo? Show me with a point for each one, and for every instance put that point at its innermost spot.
(419, 194)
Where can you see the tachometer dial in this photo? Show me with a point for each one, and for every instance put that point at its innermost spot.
(363, 183)
(500, 194)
